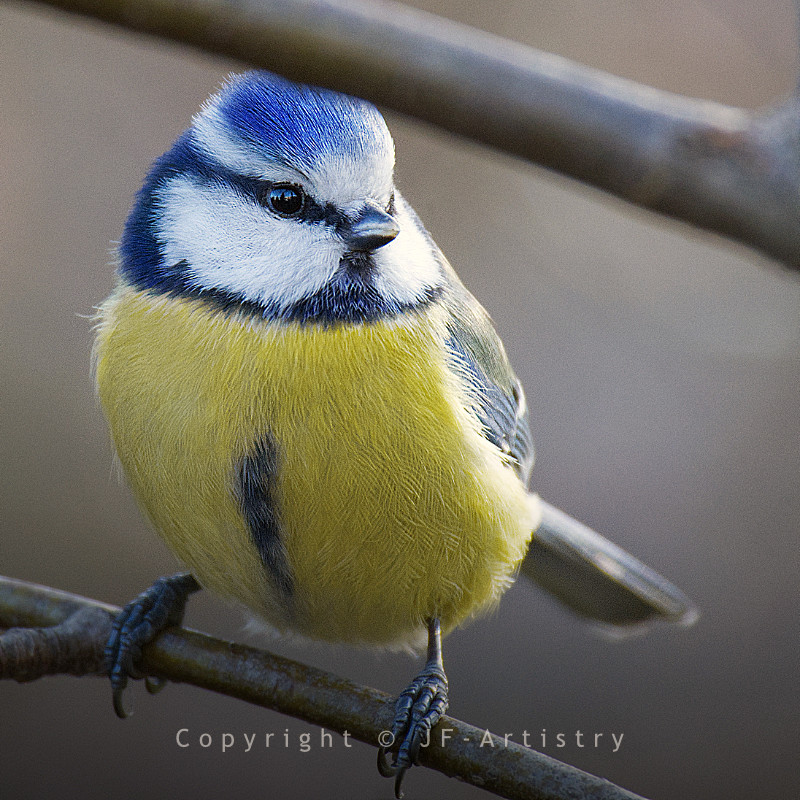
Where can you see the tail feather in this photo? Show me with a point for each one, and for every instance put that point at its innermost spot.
(597, 579)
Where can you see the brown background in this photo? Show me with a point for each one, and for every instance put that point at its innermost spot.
(661, 366)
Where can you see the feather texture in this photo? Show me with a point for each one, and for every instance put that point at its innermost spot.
(394, 506)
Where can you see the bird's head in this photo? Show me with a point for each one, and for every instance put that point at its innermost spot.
(280, 200)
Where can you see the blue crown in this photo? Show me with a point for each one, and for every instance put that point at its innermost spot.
(294, 124)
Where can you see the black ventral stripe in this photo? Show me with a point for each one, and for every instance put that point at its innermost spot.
(255, 485)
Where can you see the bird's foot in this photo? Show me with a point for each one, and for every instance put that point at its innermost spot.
(141, 621)
(417, 710)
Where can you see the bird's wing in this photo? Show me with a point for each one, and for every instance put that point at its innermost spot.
(478, 356)
(586, 572)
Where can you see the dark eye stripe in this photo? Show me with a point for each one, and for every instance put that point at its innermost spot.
(207, 170)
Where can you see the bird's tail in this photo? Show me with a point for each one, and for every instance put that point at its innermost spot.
(597, 579)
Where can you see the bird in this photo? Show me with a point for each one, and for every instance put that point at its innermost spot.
(313, 411)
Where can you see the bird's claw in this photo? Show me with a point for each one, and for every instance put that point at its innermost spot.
(140, 622)
(419, 707)
(384, 763)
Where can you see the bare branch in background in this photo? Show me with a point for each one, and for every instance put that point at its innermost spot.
(81, 626)
(725, 169)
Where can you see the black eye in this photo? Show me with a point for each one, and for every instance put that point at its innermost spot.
(285, 199)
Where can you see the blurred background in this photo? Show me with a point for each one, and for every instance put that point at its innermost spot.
(662, 369)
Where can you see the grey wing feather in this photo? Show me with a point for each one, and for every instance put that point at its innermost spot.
(478, 355)
(503, 414)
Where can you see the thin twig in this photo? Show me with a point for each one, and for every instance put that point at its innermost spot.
(301, 691)
(721, 168)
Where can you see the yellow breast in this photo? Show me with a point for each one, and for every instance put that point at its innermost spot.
(393, 507)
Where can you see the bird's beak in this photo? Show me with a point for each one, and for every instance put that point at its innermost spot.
(371, 229)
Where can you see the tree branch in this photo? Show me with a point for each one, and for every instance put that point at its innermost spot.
(82, 626)
(725, 169)
(73, 647)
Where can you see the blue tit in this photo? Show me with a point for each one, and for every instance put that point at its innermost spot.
(311, 409)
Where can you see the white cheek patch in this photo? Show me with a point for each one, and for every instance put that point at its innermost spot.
(234, 245)
(407, 266)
